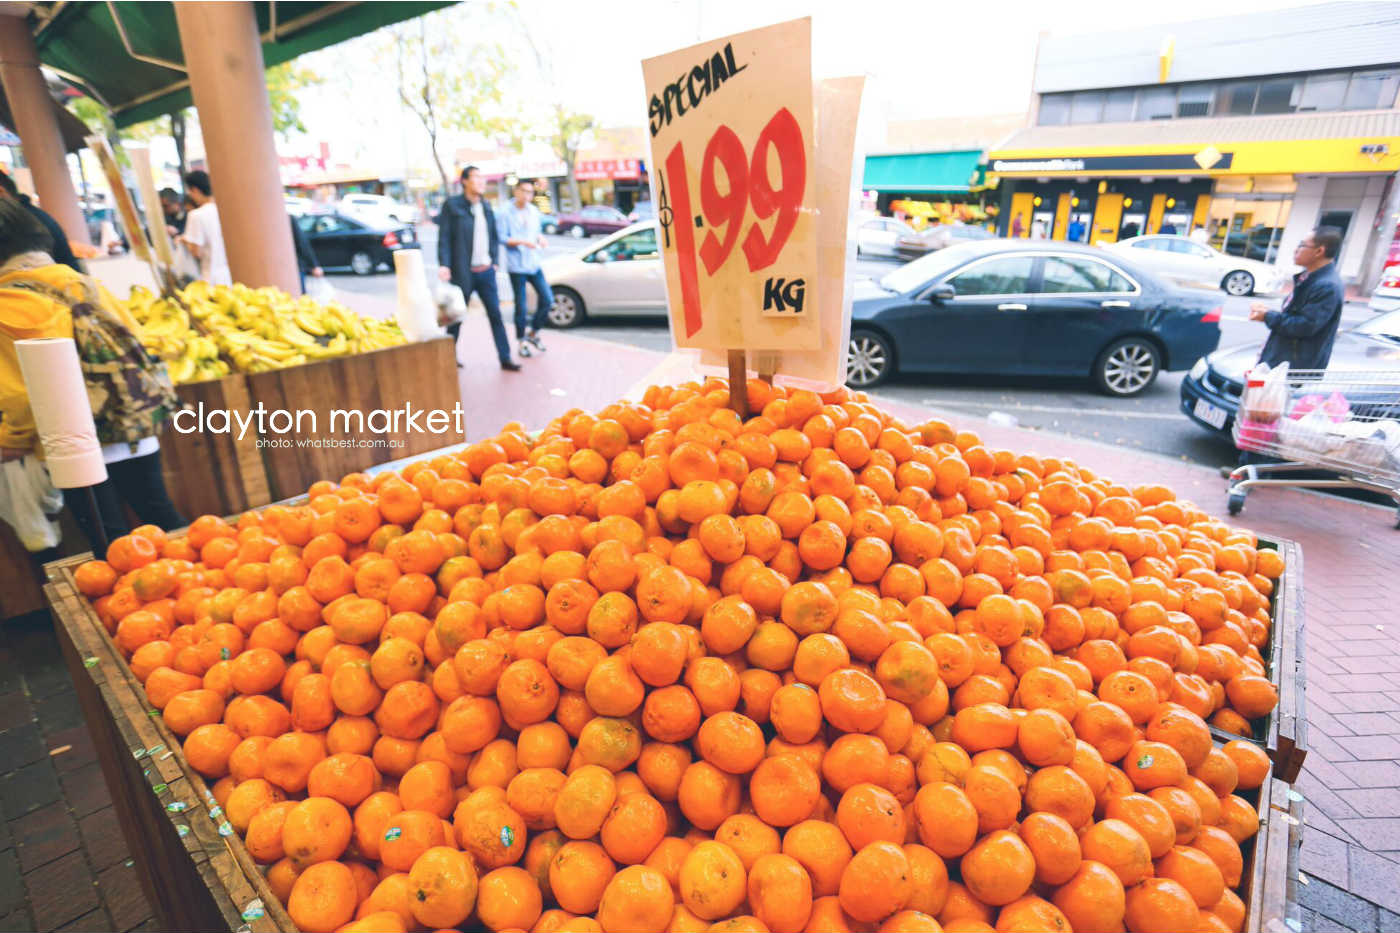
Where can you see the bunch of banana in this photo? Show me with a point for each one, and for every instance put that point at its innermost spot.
(257, 329)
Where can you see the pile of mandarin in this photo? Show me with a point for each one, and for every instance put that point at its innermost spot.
(662, 668)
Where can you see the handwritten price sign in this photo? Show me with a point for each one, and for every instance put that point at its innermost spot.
(731, 125)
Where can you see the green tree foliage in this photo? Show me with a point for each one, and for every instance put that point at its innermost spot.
(447, 75)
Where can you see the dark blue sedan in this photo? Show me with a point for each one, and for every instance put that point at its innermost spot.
(1028, 308)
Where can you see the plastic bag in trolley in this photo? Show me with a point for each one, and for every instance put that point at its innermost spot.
(1262, 403)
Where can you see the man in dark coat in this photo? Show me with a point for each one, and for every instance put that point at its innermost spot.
(61, 251)
(468, 247)
(306, 256)
(1301, 334)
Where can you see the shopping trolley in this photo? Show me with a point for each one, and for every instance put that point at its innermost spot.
(1345, 425)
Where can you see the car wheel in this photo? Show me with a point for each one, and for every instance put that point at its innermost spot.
(567, 310)
(1238, 283)
(577, 232)
(869, 360)
(362, 263)
(551, 228)
(1127, 367)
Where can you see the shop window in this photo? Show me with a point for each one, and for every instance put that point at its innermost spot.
(1007, 275)
(1334, 218)
(1323, 92)
(1194, 100)
(1237, 98)
(1086, 107)
(1118, 106)
(1156, 103)
(1276, 97)
(1054, 109)
(1372, 90)
(1063, 275)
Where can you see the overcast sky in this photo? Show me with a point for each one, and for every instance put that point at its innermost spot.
(925, 58)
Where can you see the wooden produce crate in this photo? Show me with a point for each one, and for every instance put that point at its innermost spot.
(220, 474)
(194, 870)
(1270, 881)
(1283, 733)
(198, 878)
(213, 474)
(424, 374)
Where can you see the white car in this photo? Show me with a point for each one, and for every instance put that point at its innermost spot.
(1387, 294)
(1184, 260)
(878, 237)
(375, 208)
(621, 275)
(297, 206)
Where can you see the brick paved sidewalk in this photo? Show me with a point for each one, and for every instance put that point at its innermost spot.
(63, 864)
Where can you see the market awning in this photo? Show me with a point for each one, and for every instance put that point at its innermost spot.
(128, 54)
(1357, 141)
(73, 130)
(951, 171)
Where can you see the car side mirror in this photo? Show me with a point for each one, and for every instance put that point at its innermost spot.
(942, 292)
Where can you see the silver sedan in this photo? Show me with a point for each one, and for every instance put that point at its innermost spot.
(622, 275)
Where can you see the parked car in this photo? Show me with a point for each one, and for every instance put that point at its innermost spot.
(374, 209)
(1210, 393)
(642, 210)
(342, 242)
(936, 237)
(595, 218)
(877, 237)
(298, 206)
(1183, 260)
(621, 275)
(1028, 308)
(1386, 297)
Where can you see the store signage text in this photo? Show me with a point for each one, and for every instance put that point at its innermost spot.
(1175, 163)
(1045, 165)
(702, 80)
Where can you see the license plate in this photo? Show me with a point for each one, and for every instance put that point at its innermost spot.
(1212, 415)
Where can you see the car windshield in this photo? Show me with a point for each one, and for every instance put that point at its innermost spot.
(924, 270)
(1386, 326)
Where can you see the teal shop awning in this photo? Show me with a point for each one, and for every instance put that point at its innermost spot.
(924, 171)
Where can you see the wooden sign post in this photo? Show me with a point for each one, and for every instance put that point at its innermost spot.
(140, 157)
(733, 174)
(126, 207)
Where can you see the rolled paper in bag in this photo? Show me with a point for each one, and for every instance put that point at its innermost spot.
(62, 413)
(417, 313)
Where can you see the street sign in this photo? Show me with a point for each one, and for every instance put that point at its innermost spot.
(734, 176)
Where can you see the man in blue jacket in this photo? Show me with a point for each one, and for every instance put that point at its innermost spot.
(1301, 334)
(468, 245)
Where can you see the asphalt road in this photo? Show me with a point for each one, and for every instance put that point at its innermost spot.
(1151, 421)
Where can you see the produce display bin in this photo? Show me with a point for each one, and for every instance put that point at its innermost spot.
(241, 475)
(194, 870)
(198, 875)
(219, 474)
(1283, 733)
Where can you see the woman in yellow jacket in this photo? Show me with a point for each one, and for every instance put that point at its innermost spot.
(133, 470)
